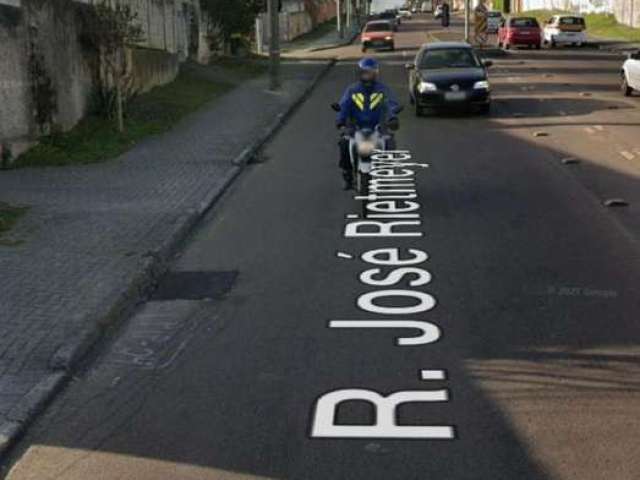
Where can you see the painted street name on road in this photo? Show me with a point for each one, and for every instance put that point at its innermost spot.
(393, 212)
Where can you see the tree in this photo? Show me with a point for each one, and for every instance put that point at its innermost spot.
(231, 17)
(108, 30)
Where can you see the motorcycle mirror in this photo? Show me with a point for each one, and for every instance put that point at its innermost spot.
(336, 107)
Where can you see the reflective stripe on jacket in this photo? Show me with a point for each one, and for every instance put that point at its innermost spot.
(367, 106)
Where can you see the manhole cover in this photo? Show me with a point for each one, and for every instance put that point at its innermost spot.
(195, 285)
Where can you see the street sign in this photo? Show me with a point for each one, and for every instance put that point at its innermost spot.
(480, 21)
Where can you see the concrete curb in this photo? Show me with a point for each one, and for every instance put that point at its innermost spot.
(117, 308)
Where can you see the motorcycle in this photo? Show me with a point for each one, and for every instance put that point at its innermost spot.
(363, 144)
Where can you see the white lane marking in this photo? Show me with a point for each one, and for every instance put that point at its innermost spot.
(344, 255)
(433, 375)
(627, 155)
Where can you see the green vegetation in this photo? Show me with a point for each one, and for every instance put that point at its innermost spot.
(598, 25)
(97, 138)
(9, 216)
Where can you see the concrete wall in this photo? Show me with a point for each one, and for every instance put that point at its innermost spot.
(299, 17)
(627, 12)
(578, 6)
(152, 68)
(46, 76)
(15, 105)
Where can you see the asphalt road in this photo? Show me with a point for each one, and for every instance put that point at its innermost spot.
(530, 306)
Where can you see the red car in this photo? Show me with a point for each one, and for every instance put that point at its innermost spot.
(378, 34)
(520, 31)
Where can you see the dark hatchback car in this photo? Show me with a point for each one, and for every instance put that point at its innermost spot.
(449, 75)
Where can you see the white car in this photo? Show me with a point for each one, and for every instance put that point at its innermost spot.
(565, 30)
(631, 74)
(405, 13)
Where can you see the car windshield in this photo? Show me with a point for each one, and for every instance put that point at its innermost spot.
(524, 23)
(378, 27)
(449, 58)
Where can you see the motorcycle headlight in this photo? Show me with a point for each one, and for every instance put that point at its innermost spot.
(366, 148)
(424, 87)
(481, 85)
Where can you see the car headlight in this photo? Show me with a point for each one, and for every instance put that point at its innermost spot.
(388, 38)
(366, 39)
(424, 87)
(481, 85)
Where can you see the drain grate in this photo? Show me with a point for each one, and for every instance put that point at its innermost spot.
(195, 285)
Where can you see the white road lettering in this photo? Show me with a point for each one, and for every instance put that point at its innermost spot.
(392, 197)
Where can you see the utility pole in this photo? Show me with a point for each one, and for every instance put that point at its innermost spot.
(348, 24)
(467, 21)
(274, 45)
(339, 17)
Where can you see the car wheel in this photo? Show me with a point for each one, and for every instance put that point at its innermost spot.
(392, 47)
(538, 46)
(485, 109)
(419, 110)
(507, 46)
(553, 44)
(626, 89)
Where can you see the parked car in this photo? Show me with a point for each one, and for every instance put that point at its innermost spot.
(405, 13)
(520, 31)
(390, 16)
(437, 13)
(378, 34)
(565, 30)
(449, 74)
(631, 74)
(494, 20)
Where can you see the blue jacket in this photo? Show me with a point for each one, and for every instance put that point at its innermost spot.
(367, 107)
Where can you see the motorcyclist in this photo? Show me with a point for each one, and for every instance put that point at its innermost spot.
(368, 103)
(445, 14)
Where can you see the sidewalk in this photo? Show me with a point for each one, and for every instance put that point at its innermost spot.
(96, 237)
(318, 41)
